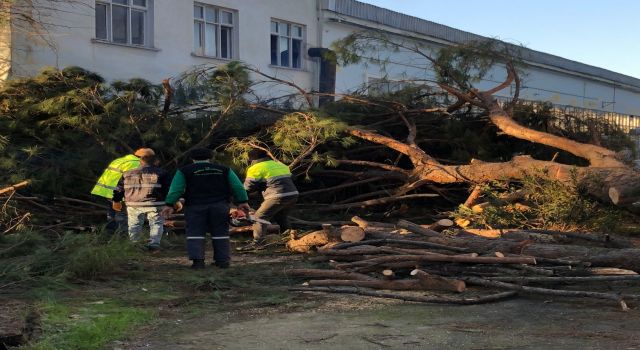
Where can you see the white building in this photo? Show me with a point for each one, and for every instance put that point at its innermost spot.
(157, 39)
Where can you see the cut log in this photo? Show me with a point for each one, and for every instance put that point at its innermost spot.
(435, 282)
(440, 258)
(555, 292)
(311, 241)
(610, 271)
(351, 234)
(408, 225)
(404, 242)
(441, 225)
(14, 188)
(330, 274)
(407, 284)
(364, 224)
(388, 274)
(534, 270)
(413, 298)
(566, 279)
(596, 256)
(473, 197)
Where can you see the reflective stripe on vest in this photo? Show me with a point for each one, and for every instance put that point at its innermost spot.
(143, 186)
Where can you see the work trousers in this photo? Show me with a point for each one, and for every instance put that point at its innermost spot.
(116, 220)
(136, 218)
(275, 210)
(212, 218)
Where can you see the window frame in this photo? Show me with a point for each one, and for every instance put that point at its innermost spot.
(289, 35)
(147, 27)
(232, 43)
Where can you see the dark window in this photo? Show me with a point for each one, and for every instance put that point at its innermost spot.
(137, 27)
(286, 44)
(101, 21)
(119, 23)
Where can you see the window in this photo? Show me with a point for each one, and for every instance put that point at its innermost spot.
(286, 44)
(123, 21)
(213, 31)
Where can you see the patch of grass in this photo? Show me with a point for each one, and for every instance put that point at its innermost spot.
(88, 326)
(31, 258)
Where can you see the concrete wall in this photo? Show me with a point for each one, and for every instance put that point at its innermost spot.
(538, 83)
(172, 41)
(171, 52)
(5, 48)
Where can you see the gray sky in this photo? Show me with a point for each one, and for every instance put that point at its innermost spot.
(603, 33)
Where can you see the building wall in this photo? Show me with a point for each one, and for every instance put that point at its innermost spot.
(5, 49)
(538, 83)
(172, 41)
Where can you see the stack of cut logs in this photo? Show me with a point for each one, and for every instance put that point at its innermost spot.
(371, 259)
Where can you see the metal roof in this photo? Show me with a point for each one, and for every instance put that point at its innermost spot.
(375, 14)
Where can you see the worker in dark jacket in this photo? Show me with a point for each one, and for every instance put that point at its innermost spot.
(278, 191)
(144, 190)
(207, 189)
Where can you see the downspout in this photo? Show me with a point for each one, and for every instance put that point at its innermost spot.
(327, 79)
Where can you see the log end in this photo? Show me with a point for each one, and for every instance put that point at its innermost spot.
(351, 234)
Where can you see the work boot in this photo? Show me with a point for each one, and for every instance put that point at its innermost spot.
(222, 265)
(198, 264)
(152, 248)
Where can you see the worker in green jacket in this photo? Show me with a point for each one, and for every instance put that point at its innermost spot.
(108, 181)
(207, 189)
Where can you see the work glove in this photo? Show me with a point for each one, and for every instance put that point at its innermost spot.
(117, 206)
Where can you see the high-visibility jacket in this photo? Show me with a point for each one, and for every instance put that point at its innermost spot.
(271, 177)
(112, 174)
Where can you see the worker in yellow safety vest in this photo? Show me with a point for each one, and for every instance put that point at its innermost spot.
(279, 192)
(117, 219)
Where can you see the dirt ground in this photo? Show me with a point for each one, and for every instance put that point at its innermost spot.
(314, 321)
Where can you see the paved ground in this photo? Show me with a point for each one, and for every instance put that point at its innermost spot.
(352, 322)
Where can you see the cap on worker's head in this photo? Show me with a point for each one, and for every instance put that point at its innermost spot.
(256, 154)
(144, 152)
(201, 154)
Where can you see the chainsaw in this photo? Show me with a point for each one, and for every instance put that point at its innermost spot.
(239, 218)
